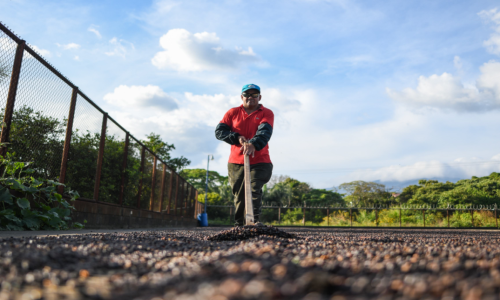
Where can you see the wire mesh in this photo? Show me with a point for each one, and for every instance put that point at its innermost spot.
(167, 190)
(7, 54)
(132, 174)
(180, 197)
(111, 173)
(39, 119)
(173, 193)
(84, 148)
(158, 182)
(147, 177)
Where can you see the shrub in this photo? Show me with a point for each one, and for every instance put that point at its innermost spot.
(28, 203)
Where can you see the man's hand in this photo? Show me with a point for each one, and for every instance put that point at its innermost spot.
(242, 140)
(248, 149)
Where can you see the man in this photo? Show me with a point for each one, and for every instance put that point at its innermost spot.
(248, 129)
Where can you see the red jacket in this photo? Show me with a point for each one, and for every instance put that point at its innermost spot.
(256, 127)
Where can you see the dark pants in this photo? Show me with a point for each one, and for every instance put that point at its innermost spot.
(260, 174)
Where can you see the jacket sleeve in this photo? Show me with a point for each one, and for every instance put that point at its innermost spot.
(262, 137)
(223, 133)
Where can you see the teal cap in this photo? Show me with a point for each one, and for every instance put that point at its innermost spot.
(250, 87)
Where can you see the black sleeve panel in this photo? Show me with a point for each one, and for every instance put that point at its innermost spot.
(262, 136)
(223, 133)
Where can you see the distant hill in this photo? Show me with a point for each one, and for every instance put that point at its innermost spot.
(398, 186)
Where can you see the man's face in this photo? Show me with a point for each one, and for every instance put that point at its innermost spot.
(249, 99)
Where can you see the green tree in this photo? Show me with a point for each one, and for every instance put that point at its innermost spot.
(217, 183)
(363, 193)
(163, 150)
(3, 73)
(477, 190)
(37, 139)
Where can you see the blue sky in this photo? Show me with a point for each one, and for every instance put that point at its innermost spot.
(369, 90)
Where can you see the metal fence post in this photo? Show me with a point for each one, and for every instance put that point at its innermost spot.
(181, 192)
(100, 157)
(153, 185)
(472, 217)
(376, 216)
(448, 216)
(11, 96)
(350, 215)
(423, 212)
(170, 189)
(141, 171)
(496, 220)
(279, 215)
(162, 191)
(304, 219)
(124, 167)
(176, 198)
(67, 140)
(197, 203)
(186, 199)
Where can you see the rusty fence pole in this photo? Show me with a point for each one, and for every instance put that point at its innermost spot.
(124, 167)
(423, 212)
(141, 171)
(177, 177)
(67, 140)
(197, 203)
(350, 215)
(193, 195)
(304, 219)
(192, 202)
(170, 189)
(279, 215)
(472, 217)
(162, 191)
(448, 216)
(496, 220)
(181, 205)
(186, 199)
(11, 96)
(100, 157)
(376, 216)
(153, 185)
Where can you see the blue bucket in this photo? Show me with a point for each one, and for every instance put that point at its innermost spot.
(203, 220)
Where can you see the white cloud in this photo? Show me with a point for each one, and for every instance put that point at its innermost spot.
(141, 97)
(77, 58)
(119, 47)
(95, 31)
(42, 52)
(276, 100)
(448, 92)
(459, 168)
(68, 46)
(165, 6)
(184, 51)
(493, 43)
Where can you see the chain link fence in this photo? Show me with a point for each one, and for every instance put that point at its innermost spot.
(64, 136)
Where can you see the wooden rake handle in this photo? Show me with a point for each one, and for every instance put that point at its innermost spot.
(249, 217)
